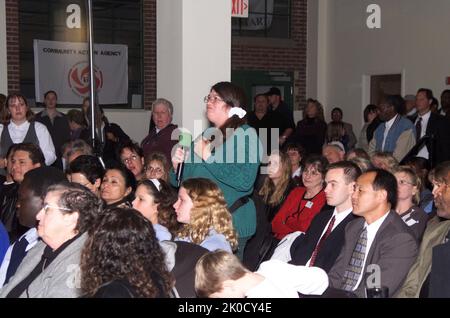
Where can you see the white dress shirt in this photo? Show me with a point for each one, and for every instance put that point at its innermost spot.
(297, 172)
(388, 126)
(284, 280)
(18, 133)
(412, 112)
(372, 230)
(338, 218)
(425, 118)
(32, 237)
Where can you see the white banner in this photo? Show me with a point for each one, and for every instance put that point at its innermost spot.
(64, 68)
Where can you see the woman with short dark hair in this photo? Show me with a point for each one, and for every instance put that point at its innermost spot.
(228, 154)
(51, 268)
(117, 188)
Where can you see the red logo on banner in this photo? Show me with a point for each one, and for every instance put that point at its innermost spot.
(79, 79)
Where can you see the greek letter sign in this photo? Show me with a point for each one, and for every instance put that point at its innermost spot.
(239, 8)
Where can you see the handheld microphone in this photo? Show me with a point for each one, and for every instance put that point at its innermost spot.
(185, 140)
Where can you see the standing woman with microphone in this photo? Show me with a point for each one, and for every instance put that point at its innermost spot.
(227, 153)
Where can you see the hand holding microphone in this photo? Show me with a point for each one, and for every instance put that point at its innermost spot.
(184, 143)
(202, 148)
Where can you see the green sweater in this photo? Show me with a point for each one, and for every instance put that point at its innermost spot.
(233, 166)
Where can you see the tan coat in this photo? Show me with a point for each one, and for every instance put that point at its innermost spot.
(434, 235)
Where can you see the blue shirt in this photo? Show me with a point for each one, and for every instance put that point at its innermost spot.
(214, 241)
(162, 233)
(4, 242)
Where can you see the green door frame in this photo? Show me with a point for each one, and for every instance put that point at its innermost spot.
(250, 80)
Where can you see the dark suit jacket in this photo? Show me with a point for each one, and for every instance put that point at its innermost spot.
(303, 247)
(160, 142)
(438, 146)
(394, 250)
(440, 271)
(59, 130)
(439, 127)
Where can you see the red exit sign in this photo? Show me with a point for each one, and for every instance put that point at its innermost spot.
(239, 8)
(447, 80)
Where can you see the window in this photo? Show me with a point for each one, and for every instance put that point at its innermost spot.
(115, 22)
(266, 18)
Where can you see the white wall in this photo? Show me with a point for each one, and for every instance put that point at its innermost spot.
(413, 40)
(3, 63)
(311, 50)
(135, 123)
(193, 53)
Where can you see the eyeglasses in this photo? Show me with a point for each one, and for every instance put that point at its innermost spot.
(311, 172)
(129, 159)
(47, 206)
(212, 99)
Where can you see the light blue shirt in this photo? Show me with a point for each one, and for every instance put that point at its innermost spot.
(214, 241)
(162, 233)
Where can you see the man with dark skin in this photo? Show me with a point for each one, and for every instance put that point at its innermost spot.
(396, 134)
(30, 195)
(445, 102)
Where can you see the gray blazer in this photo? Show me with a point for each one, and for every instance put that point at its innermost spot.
(394, 249)
(61, 279)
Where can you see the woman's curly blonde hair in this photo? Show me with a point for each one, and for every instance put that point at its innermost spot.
(209, 212)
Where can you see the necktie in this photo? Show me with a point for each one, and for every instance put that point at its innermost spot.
(321, 241)
(355, 266)
(418, 128)
(17, 255)
(385, 133)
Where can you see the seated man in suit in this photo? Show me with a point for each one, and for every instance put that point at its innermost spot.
(417, 282)
(437, 147)
(440, 272)
(396, 134)
(322, 243)
(379, 248)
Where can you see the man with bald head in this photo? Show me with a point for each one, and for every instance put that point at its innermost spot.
(334, 152)
(379, 248)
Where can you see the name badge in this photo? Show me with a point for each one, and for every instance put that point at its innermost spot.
(309, 204)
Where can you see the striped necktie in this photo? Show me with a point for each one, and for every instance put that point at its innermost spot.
(355, 266)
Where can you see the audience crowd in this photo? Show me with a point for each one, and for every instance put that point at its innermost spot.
(314, 212)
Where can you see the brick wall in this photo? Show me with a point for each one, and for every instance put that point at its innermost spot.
(243, 57)
(149, 23)
(290, 57)
(12, 44)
